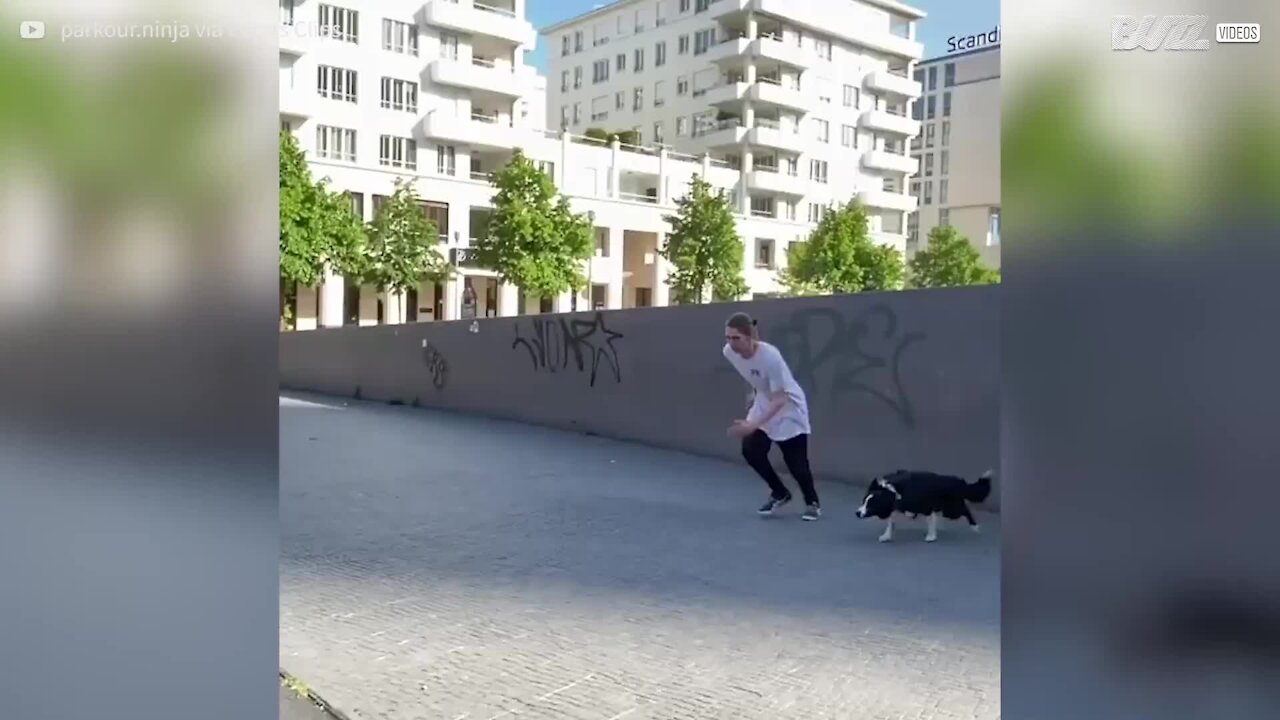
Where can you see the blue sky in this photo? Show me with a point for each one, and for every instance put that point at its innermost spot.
(945, 19)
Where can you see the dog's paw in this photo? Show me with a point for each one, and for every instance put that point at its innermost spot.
(977, 529)
(930, 538)
(885, 538)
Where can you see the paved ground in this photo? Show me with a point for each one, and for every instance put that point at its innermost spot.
(436, 566)
(296, 707)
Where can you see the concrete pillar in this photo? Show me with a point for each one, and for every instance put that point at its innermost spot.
(662, 177)
(753, 26)
(304, 307)
(563, 302)
(393, 310)
(332, 300)
(368, 305)
(615, 174)
(661, 291)
(508, 298)
(453, 298)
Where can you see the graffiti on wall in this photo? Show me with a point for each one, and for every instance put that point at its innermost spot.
(861, 355)
(436, 364)
(560, 343)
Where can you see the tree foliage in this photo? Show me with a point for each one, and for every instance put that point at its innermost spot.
(840, 256)
(625, 137)
(703, 247)
(949, 260)
(403, 244)
(533, 239)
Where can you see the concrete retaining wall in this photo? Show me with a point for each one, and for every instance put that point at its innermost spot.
(900, 379)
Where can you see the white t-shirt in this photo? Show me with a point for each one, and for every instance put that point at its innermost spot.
(767, 372)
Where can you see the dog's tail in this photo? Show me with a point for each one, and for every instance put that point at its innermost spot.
(977, 492)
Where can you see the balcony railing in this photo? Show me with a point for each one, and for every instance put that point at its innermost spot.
(638, 197)
(717, 162)
(755, 212)
(489, 119)
(481, 175)
(768, 123)
(494, 9)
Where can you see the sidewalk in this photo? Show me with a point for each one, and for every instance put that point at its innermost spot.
(442, 566)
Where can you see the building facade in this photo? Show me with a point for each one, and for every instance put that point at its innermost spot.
(959, 150)
(440, 93)
(807, 100)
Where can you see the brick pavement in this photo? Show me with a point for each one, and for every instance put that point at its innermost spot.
(438, 566)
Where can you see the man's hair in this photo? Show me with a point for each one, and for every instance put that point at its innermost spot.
(743, 323)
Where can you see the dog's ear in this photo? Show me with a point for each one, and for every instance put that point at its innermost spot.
(889, 486)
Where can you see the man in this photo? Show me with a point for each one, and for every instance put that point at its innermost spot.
(779, 412)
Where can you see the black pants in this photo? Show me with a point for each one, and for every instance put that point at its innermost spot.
(795, 452)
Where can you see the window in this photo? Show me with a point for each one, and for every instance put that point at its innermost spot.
(818, 171)
(682, 126)
(684, 6)
(660, 54)
(620, 100)
(658, 136)
(658, 99)
(682, 44)
(564, 116)
(564, 81)
(946, 133)
(702, 6)
(600, 108)
(399, 37)
(639, 21)
(449, 46)
(703, 41)
(682, 85)
(917, 111)
(335, 143)
(622, 62)
(638, 65)
(644, 297)
(823, 48)
(446, 159)
(822, 130)
(849, 136)
(932, 106)
(400, 95)
(564, 46)
(913, 229)
(577, 41)
(577, 113)
(942, 192)
(933, 78)
(915, 188)
(397, 152)
(944, 215)
(919, 77)
(339, 23)
(929, 134)
(336, 83)
(945, 167)
(286, 12)
(928, 192)
(946, 104)
(928, 164)
(950, 75)
(850, 96)
(599, 71)
(993, 226)
(637, 102)
(764, 253)
(816, 212)
(577, 77)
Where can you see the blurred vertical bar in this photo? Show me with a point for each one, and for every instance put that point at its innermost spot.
(138, 412)
(1141, 344)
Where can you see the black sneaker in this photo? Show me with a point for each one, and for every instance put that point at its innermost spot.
(813, 512)
(773, 504)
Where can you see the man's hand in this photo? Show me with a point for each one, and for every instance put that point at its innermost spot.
(742, 428)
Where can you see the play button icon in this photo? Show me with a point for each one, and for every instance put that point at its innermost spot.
(31, 29)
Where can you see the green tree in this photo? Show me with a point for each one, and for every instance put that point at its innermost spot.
(319, 229)
(533, 239)
(403, 244)
(703, 247)
(949, 260)
(841, 257)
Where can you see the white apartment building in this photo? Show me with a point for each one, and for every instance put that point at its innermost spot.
(959, 150)
(806, 101)
(439, 92)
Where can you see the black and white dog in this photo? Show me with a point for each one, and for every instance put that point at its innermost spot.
(913, 493)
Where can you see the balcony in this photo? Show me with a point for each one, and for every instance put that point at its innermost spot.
(770, 92)
(893, 84)
(730, 52)
(480, 131)
(771, 180)
(294, 39)
(724, 95)
(480, 18)
(507, 80)
(770, 135)
(890, 162)
(771, 47)
(887, 201)
(725, 133)
(297, 103)
(882, 121)
(849, 24)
